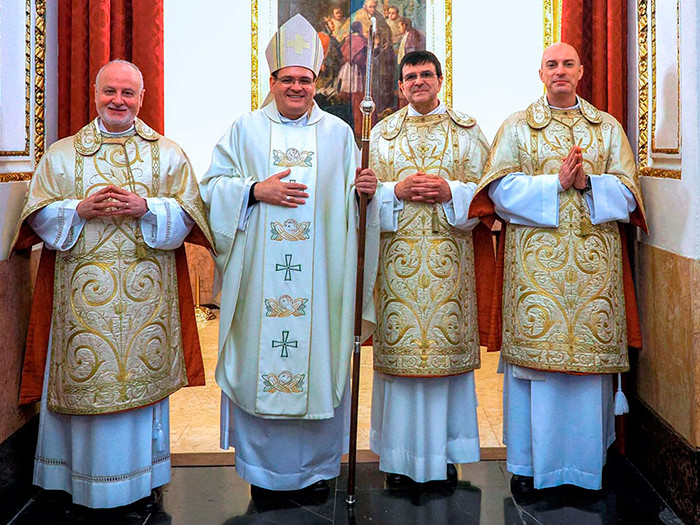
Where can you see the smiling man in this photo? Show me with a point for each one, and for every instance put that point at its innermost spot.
(562, 175)
(113, 204)
(281, 194)
(429, 159)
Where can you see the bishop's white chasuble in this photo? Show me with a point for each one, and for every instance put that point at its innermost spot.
(287, 301)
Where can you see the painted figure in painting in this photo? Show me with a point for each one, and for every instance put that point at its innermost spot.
(340, 85)
(352, 72)
(563, 176)
(392, 20)
(281, 197)
(429, 158)
(112, 204)
(384, 59)
(411, 39)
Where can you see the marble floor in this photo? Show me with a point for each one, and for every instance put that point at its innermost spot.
(216, 495)
(194, 412)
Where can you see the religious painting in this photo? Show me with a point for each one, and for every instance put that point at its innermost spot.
(343, 26)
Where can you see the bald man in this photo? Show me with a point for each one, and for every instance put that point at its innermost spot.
(112, 204)
(562, 175)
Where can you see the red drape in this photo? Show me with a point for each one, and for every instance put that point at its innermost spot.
(598, 30)
(92, 32)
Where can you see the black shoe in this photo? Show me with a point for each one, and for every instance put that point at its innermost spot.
(315, 493)
(522, 484)
(449, 482)
(399, 481)
(154, 502)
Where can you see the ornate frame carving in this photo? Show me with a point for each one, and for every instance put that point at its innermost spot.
(645, 143)
(552, 21)
(38, 58)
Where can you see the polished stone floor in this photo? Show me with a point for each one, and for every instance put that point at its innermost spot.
(194, 412)
(216, 495)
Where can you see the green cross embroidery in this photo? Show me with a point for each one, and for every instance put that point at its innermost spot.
(284, 343)
(288, 267)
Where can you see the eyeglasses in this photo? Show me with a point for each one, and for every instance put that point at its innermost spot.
(424, 75)
(303, 81)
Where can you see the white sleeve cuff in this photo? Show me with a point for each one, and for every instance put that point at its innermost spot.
(390, 207)
(165, 225)
(609, 200)
(527, 200)
(457, 209)
(58, 224)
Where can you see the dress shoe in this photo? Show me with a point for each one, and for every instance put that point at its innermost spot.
(522, 484)
(399, 481)
(315, 493)
(450, 480)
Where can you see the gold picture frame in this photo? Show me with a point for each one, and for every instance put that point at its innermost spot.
(438, 39)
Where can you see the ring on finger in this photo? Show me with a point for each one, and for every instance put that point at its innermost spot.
(127, 205)
(288, 197)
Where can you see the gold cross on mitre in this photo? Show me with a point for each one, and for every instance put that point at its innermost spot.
(298, 44)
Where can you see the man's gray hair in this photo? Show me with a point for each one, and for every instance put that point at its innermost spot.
(119, 61)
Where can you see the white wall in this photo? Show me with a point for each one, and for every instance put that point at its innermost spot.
(207, 72)
(497, 46)
(496, 54)
(673, 206)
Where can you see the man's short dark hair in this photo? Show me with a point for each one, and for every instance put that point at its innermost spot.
(416, 58)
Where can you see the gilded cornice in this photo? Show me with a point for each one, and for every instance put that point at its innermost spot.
(16, 176)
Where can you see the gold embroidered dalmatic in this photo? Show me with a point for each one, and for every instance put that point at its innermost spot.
(563, 302)
(116, 340)
(425, 294)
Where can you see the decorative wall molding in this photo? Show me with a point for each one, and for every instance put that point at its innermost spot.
(659, 90)
(552, 21)
(34, 42)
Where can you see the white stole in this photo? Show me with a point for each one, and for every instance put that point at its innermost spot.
(285, 337)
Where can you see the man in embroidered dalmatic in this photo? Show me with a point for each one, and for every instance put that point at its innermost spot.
(562, 175)
(112, 205)
(429, 159)
(281, 196)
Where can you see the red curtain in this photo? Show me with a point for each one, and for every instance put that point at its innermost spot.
(598, 30)
(92, 32)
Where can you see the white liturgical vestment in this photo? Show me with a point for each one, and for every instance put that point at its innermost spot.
(113, 459)
(420, 424)
(558, 426)
(287, 299)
